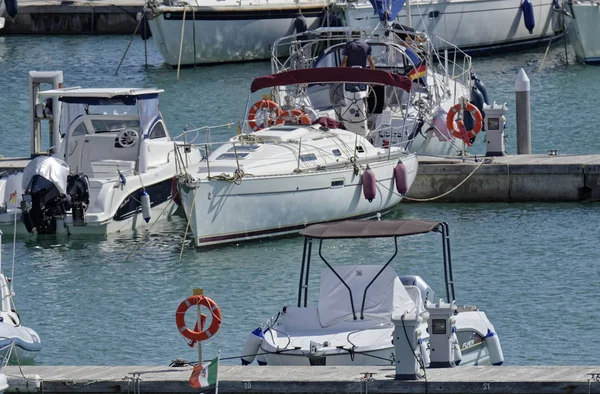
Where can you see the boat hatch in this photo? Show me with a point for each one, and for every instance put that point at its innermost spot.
(233, 156)
(244, 148)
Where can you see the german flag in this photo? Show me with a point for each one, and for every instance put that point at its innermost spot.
(418, 72)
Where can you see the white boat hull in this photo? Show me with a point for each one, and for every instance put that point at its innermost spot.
(222, 211)
(226, 33)
(481, 25)
(382, 355)
(584, 30)
(27, 344)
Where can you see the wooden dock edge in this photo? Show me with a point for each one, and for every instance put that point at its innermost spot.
(325, 379)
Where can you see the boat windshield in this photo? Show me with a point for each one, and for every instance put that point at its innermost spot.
(112, 109)
(112, 125)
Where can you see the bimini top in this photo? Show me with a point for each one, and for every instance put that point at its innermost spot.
(332, 75)
(369, 228)
(100, 92)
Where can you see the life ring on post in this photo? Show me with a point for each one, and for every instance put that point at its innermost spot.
(293, 116)
(203, 334)
(263, 105)
(460, 132)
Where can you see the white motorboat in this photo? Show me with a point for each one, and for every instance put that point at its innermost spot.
(359, 306)
(218, 31)
(584, 29)
(445, 84)
(475, 26)
(110, 168)
(18, 343)
(301, 166)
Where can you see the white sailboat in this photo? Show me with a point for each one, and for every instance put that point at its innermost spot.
(584, 29)
(445, 111)
(301, 167)
(218, 31)
(474, 26)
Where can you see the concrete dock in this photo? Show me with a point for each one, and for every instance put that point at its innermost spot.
(512, 178)
(276, 379)
(74, 17)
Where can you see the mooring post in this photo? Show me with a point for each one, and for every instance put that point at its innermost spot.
(523, 114)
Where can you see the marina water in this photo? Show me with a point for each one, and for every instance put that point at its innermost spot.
(532, 267)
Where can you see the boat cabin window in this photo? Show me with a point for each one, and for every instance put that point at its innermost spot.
(158, 131)
(113, 125)
(112, 109)
(80, 129)
(232, 156)
(308, 157)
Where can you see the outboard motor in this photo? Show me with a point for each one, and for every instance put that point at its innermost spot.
(78, 189)
(42, 203)
(50, 193)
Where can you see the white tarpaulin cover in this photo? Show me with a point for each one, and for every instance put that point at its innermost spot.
(51, 168)
(386, 296)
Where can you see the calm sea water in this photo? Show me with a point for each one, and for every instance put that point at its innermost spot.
(533, 268)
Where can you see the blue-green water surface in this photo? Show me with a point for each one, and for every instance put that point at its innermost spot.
(532, 267)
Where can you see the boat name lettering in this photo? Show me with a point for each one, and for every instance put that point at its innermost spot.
(468, 344)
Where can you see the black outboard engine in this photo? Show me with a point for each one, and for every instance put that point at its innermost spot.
(42, 204)
(78, 189)
(50, 193)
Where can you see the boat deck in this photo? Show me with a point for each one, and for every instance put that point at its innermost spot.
(276, 379)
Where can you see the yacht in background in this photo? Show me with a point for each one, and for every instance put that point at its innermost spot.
(583, 29)
(474, 26)
(218, 31)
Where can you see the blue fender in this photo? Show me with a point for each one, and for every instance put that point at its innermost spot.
(528, 17)
(11, 8)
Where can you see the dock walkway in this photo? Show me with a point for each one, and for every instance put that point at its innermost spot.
(326, 379)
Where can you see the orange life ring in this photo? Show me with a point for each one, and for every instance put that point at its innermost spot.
(203, 334)
(294, 116)
(265, 105)
(466, 135)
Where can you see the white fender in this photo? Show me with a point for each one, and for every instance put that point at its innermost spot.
(145, 201)
(252, 346)
(494, 349)
(424, 352)
(457, 354)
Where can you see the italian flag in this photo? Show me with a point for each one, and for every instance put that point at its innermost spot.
(205, 375)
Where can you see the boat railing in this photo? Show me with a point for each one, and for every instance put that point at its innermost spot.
(450, 60)
(6, 348)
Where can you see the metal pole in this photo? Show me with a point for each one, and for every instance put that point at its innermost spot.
(522, 88)
(199, 292)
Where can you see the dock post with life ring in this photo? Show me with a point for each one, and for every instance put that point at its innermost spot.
(199, 333)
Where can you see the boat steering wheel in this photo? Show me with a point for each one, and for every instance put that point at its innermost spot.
(127, 137)
(353, 103)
